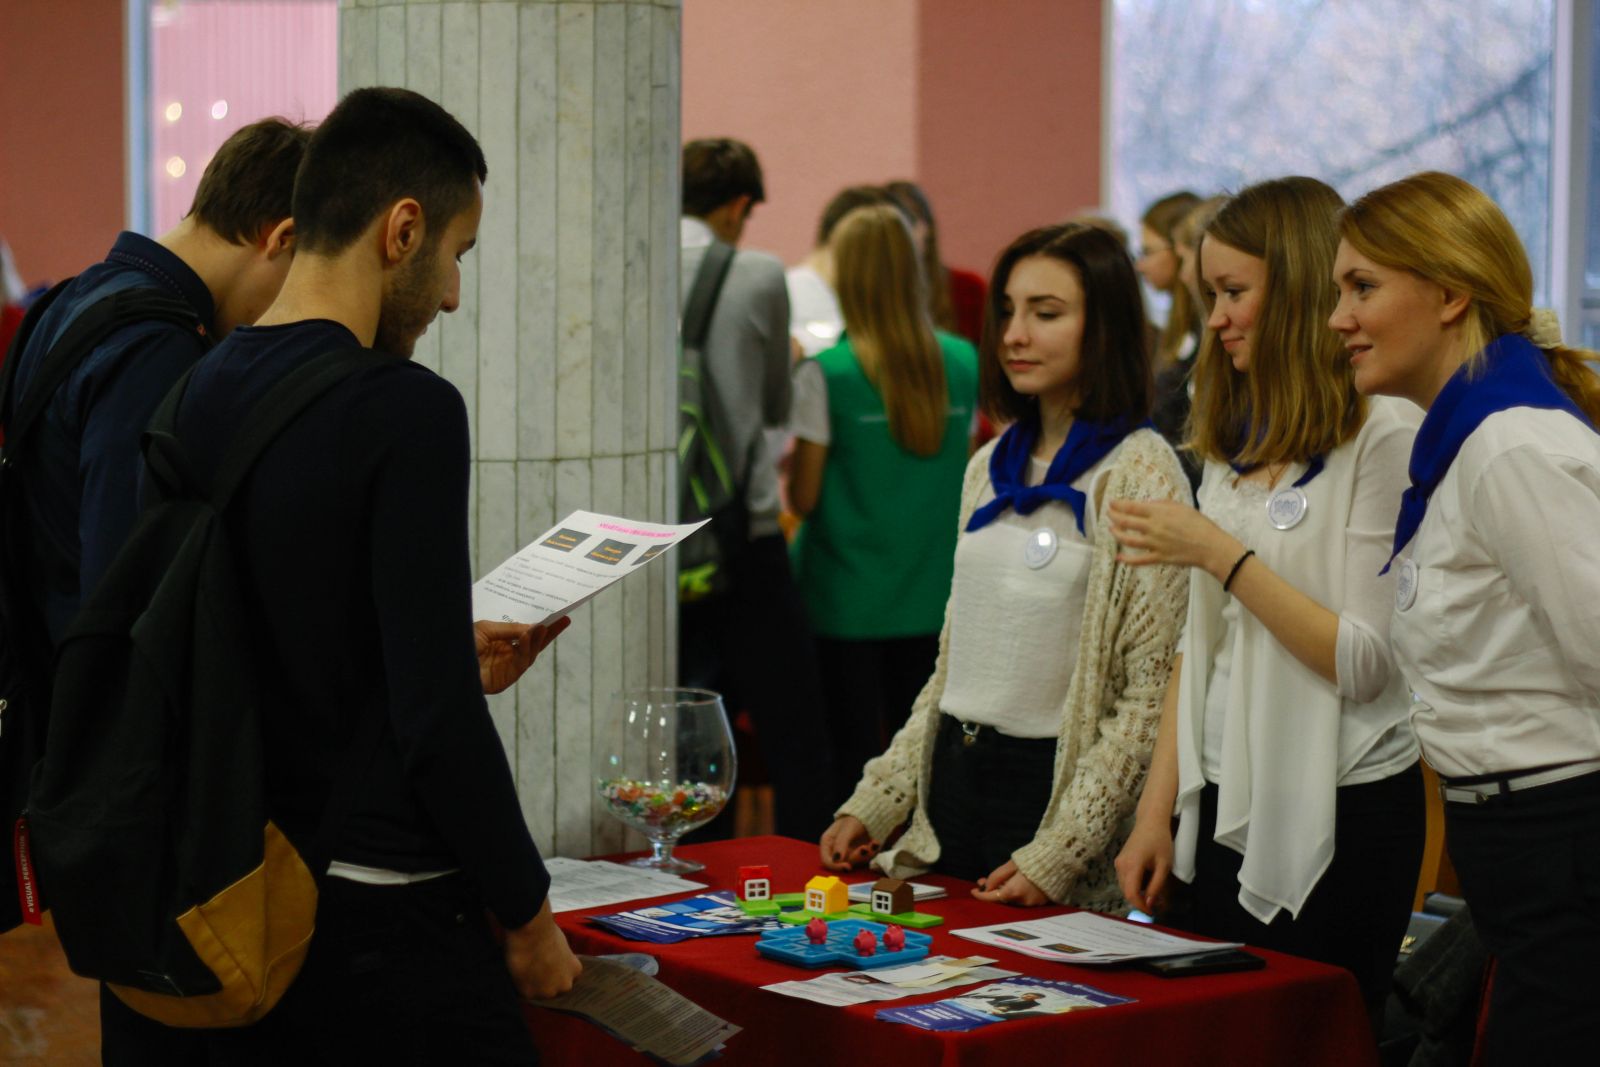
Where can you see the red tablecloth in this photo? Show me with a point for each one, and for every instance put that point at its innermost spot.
(1294, 1012)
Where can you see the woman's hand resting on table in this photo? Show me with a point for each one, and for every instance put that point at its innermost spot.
(1144, 867)
(846, 845)
(1007, 885)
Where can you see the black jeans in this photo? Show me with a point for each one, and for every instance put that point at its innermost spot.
(869, 686)
(986, 798)
(753, 645)
(1356, 916)
(1529, 864)
(396, 975)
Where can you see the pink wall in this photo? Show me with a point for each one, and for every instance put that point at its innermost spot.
(995, 110)
(225, 66)
(1008, 123)
(62, 150)
(824, 91)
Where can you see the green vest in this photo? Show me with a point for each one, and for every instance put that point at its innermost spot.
(874, 559)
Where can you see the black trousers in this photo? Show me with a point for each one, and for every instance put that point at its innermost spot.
(395, 975)
(1356, 916)
(753, 645)
(986, 798)
(1529, 864)
(869, 686)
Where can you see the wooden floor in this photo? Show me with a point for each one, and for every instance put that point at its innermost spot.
(48, 1015)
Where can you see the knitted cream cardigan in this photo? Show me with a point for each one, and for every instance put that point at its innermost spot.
(1130, 627)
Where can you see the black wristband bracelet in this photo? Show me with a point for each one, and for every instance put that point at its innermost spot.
(1235, 572)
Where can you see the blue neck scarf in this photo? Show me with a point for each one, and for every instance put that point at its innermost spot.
(1087, 443)
(1515, 374)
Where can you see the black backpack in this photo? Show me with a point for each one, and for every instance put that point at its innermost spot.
(25, 653)
(148, 816)
(706, 486)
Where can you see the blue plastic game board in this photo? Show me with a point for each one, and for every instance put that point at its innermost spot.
(792, 946)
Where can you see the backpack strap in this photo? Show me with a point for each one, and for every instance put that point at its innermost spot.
(281, 405)
(167, 462)
(708, 279)
(82, 335)
(30, 322)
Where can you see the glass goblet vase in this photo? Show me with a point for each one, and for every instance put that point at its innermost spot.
(671, 768)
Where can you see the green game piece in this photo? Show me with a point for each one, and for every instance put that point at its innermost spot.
(758, 907)
(790, 900)
(917, 920)
(800, 918)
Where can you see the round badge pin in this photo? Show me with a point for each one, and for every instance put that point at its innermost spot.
(1040, 549)
(1405, 585)
(1286, 508)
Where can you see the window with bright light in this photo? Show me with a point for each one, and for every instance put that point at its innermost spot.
(1590, 307)
(1211, 95)
(200, 69)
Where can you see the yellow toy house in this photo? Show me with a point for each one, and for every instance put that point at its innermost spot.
(826, 895)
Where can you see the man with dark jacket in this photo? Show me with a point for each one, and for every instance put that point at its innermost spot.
(79, 496)
(351, 532)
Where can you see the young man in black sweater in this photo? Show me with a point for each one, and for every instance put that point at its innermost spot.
(352, 534)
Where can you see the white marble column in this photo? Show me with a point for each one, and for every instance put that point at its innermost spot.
(565, 345)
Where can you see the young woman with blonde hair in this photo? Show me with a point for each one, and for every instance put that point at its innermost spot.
(1284, 752)
(1497, 602)
(880, 422)
(1027, 746)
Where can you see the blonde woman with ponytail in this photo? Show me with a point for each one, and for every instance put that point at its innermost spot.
(1497, 603)
(880, 422)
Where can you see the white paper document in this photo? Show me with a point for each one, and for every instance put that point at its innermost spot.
(861, 892)
(579, 884)
(568, 564)
(642, 1012)
(1086, 938)
(841, 989)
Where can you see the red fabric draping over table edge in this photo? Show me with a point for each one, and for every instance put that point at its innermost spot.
(1292, 1012)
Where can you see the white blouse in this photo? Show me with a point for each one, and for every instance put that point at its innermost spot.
(1501, 642)
(1288, 738)
(1363, 664)
(1014, 627)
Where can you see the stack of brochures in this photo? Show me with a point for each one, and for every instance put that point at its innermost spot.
(708, 915)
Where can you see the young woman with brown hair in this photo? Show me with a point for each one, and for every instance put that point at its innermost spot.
(1284, 752)
(1026, 748)
(1497, 602)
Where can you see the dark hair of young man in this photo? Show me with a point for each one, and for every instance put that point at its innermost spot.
(717, 170)
(1114, 375)
(376, 147)
(248, 184)
(847, 200)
